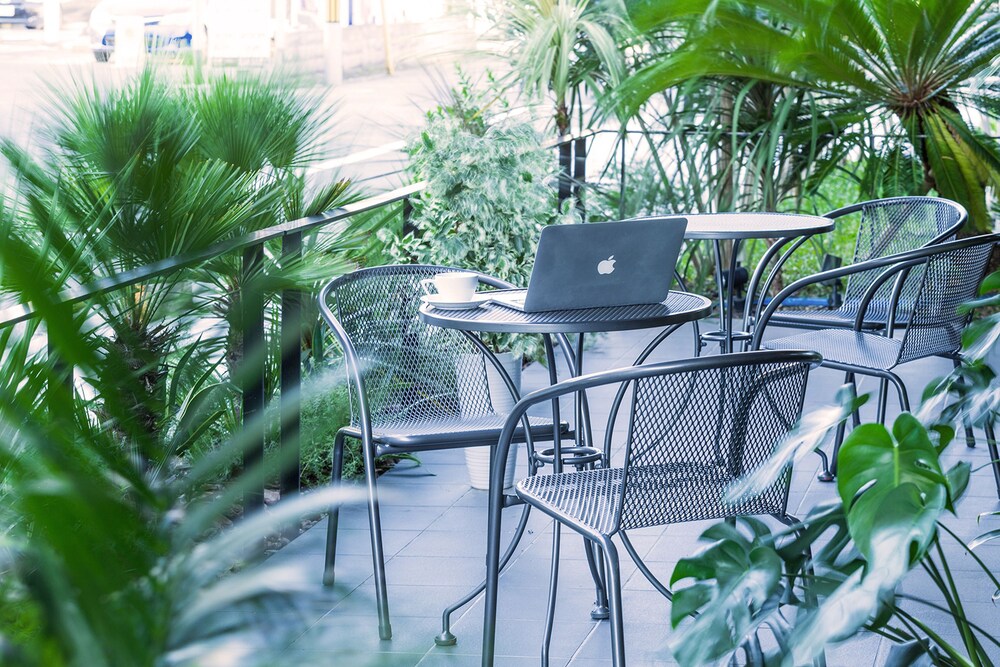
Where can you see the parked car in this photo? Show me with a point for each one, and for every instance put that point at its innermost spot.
(21, 12)
(169, 24)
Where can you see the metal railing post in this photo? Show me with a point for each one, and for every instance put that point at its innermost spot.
(408, 227)
(60, 385)
(579, 173)
(291, 374)
(253, 368)
(621, 187)
(565, 171)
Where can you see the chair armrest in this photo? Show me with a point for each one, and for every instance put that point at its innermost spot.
(909, 258)
(880, 280)
(494, 282)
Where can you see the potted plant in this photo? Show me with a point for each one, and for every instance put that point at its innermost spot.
(486, 201)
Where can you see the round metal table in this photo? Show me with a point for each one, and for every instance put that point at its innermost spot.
(677, 309)
(737, 227)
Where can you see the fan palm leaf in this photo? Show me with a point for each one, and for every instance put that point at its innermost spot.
(560, 46)
(908, 62)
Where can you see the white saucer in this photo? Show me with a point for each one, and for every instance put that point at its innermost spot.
(436, 301)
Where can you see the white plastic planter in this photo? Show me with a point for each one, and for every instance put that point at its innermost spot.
(477, 459)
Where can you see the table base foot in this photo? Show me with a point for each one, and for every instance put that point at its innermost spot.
(445, 639)
(600, 612)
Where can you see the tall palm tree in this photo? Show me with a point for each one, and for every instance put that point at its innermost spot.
(560, 47)
(914, 65)
(266, 129)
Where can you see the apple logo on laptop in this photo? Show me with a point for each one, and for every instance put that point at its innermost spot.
(606, 266)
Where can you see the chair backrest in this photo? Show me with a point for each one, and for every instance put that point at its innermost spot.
(943, 283)
(411, 372)
(891, 226)
(692, 434)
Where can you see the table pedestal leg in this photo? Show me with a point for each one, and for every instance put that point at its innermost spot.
(725, 336)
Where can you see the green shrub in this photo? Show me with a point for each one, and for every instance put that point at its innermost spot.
(487, 196)
(326, 409)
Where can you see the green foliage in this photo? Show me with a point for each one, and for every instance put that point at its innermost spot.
(325, 409)
(908, 66)
(486, 198)
(893, 494)
(114, 551)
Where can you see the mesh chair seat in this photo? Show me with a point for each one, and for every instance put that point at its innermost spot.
(589, 499)
(844, 346)
(453, 431)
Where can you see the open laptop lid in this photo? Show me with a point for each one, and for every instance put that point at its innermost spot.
(604, 264)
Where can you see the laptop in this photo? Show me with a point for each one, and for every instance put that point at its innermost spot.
(593, 265)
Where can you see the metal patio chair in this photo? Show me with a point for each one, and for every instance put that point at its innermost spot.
(887, 227)
(938, 278)
(413, 388)
(693, 428)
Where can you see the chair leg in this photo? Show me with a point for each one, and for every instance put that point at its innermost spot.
(830, 465)
(333, 517)
(883, 400)
(615, 603)
(904, 400)
(991, 445)
(550, 608)
(594, 561)
(970, 434)
(600, 609)
(375, 530)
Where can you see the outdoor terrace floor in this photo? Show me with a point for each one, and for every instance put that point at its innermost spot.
(434, 534)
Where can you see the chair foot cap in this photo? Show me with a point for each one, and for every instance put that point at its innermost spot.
(385, 633)
(328, 579)
(826, 476)
(600, 612)
(445, 639)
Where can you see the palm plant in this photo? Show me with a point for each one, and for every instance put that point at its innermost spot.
(562, 47)
(911, 66)
(264, 129)
(122, 187)
(107, 559)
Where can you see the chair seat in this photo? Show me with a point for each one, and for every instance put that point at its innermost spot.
(854, 348)
(589, 499)
(455, 431)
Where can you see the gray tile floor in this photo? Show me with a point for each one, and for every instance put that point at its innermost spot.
(434, 533)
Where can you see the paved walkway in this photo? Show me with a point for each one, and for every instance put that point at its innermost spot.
(434, 531)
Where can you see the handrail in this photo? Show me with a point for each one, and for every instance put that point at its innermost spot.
(22, 312)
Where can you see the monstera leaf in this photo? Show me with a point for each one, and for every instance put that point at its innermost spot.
(738, 587)
(894, 491)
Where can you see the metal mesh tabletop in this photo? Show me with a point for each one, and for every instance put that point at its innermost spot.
(754, 225)
(677, 308)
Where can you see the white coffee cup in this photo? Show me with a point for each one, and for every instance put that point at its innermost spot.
(454, 286)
